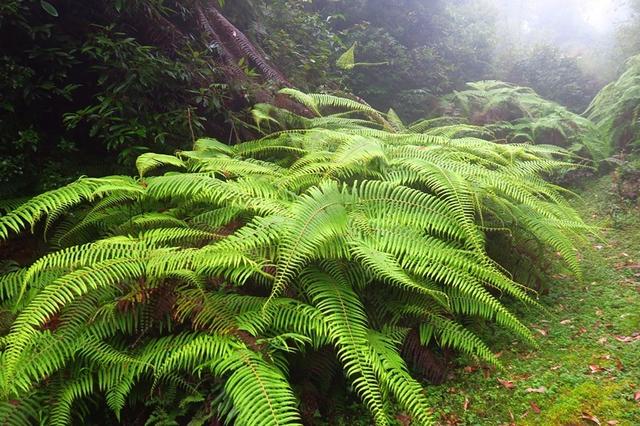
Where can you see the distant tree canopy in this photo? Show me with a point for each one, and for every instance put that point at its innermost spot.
(431, 47)
(628, 35)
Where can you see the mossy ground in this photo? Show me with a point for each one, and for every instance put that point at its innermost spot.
(587, 367)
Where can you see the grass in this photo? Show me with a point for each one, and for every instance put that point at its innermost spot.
(584, 372)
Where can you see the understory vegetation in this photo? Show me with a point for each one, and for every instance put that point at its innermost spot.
(225, 231)
(342, 241)
(518, 115)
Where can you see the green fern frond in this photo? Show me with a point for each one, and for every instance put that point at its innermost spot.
(346, 233)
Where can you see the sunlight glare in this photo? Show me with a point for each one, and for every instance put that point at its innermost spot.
(600, 14)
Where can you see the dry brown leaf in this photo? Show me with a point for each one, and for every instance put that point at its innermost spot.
(591, 418)
(628, 339)
(619, 364)
(508, 384)
(595, 368)
(535, 407)
(541, 389)
(465, 406)
(404, 419)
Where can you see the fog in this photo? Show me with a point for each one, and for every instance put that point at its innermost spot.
(566, 23)
(589, 30)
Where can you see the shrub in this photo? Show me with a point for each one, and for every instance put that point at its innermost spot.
(330, 246)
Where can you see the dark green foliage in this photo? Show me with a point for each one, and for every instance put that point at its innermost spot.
(197, 293)
(100, 83)
(86, 84)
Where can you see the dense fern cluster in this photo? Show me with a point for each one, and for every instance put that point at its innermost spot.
(518, 114)
(616, 110)
(329, 246)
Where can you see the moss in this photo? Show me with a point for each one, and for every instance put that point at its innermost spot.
(590, 398)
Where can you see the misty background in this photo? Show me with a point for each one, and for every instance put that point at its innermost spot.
(567, 51)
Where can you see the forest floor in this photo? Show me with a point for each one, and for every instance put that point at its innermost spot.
(586, 370)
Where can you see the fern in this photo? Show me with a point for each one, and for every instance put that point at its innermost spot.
(348, 232)
(347, 61)
(519, 115)
(615, 110)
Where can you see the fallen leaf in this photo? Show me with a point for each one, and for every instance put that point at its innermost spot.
(636, 396)
(535, 407)
(486, 372)
(627, 339)
(507, 383)
(603, 340)
(595, 368)
(619, 364)
(541, 331)
(613, 422)
(541, 389)
(591, 418)
(404, 419)
(564, 322)
(556, 367)
(470, 369)
(466, 404)
(451, 419)
(599, 312)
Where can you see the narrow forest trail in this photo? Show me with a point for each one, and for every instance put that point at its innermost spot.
(587, 368)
